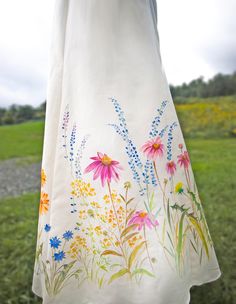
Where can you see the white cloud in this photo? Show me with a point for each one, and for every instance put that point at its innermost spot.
(25, 31)
(196, 38)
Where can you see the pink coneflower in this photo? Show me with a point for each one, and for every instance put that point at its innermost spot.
(153, 148)
(183, 160)
(142, 218)
(171, 167)
(104, 167)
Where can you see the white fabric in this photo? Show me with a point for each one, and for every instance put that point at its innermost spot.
(108, 93)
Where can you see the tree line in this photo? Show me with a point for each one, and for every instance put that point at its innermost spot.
(20, 113)
(219, 85)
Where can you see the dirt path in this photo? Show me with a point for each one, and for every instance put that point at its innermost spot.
(17, 178)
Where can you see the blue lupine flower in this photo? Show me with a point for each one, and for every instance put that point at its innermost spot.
(169, 141)
(47, 228)
(156, 121)
(68, 235)
(72, 142)
(55, 242)
(58, 257)
(79, 155)
(134, 159)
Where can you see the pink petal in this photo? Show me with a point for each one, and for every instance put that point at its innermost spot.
(97, 171)
(104, 175)
(100, 155)
(92, 166)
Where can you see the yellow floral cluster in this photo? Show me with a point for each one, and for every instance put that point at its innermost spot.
(95, 205)
(76, 246)
(82, 189)
(107, 242)
(98, 230)
(121, 214)
(132, 242)
(115, 197)
(82, 214)
(111, 218)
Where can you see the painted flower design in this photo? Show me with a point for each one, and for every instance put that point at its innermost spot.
(171, 167)
(47, 227)
(44, 203)
(58, 257)
(183, 159)
(104, 167)
(179, 188)
(68, 235)
(153, 148)
(43, 177)
(142, 219)
(55, 242)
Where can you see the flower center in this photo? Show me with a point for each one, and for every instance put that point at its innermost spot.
(143, 214)
(106, 160)
(156, 146)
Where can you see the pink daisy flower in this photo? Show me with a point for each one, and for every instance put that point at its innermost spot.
(104, 167)
(183, 159)
(153, 148)
(142, 218)
(171, 167)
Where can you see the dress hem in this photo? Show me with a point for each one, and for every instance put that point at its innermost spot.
(202, 282)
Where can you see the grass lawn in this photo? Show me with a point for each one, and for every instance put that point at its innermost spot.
(214, 164)
(22, 140)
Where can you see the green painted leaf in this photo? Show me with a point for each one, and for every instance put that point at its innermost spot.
(151, 203)
(128, 229)
(129, 215)
(156, 214)
(123, 199)
(142, 271)
(200, 233)
(47, 281)
(129, 236)
(110, 252)
(168, 214)
(118, 274)
(193, 247)
(130, 200)
(134, 253)
(180, 237)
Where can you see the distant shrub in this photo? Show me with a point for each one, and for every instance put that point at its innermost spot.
(208, 118)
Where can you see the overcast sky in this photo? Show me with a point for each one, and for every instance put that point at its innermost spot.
(196, 38)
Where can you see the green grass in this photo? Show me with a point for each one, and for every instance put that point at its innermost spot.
(214, 164)
(18, 225)
(22, 140)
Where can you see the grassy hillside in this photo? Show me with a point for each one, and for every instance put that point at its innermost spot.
(208, 117)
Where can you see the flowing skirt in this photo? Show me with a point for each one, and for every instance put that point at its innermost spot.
(120, 218)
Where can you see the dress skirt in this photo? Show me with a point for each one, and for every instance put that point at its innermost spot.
(120, 218)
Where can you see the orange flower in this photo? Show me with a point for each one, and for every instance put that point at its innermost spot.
(44, 203)
(43, 177)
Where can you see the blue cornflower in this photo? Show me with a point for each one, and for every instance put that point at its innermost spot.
(68, 235)
(58, 257)
(55, 242)
(47, 228)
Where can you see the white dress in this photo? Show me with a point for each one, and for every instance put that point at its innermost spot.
(120, 219)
